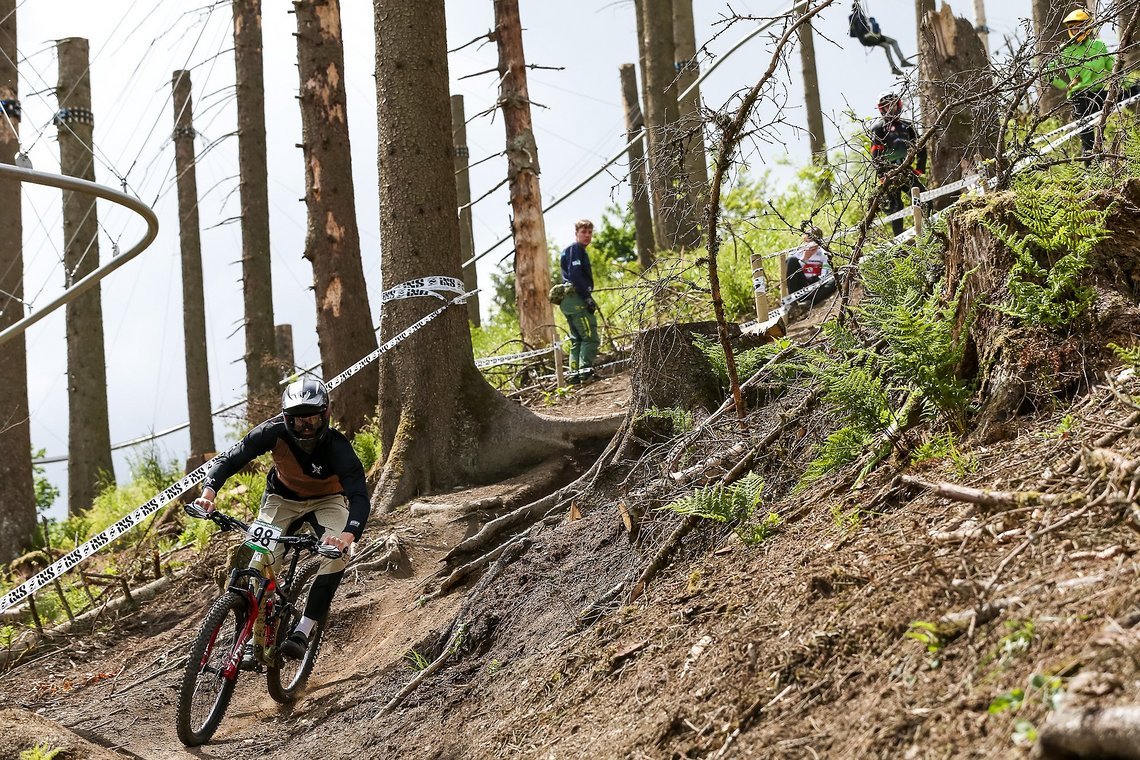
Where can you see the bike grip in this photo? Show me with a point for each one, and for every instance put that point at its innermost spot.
(194, 510)
(329, 551)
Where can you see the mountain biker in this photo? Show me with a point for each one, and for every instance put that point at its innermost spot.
(1083, 71)
(316, 478)
(867, 31)
(808, 265)
(892, 138)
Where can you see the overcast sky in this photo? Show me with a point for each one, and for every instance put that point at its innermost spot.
(137, 44)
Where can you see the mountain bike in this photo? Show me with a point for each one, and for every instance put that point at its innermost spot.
(246, 627)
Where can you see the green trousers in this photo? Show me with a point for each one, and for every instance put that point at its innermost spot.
(583, 325)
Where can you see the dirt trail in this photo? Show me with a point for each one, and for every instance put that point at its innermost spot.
(118, 687)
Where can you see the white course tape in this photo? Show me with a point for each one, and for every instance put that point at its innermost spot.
(120, 527)
(494, 361)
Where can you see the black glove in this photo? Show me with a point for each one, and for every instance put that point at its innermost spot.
(591, 305)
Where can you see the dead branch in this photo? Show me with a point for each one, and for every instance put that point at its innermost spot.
(1092, 733)
(995, 500)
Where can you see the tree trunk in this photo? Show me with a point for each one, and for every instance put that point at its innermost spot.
(922, 52)
(18, 513)
(283, 349)
(193, 301)
(441, 424)
(691, 123)
(332, 243)
(89, 438)
(463, 197)
(257, 283)
(980, 25)
(817, 138)
(1132, 52)
(1050, 34)
(955, 62)
(532, 259)
(639, 190)
(673, 213)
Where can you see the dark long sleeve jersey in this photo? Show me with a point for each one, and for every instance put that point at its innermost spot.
(575, 263)
(891, 141)
(332, 469)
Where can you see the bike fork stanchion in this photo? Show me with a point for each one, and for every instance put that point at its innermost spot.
(916, 208)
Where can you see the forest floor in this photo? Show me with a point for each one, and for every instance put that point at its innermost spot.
(882, 621)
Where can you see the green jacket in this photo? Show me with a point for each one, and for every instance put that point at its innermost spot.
(1088, 63)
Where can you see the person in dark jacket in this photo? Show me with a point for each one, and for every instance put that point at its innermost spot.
(316, 477)
(578, 304)
(867, 31)
(892, 138)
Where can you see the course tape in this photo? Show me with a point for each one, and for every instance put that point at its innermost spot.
(494, 361)
(168, 494)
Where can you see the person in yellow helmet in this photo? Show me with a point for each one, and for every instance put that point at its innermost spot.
(1083, 71)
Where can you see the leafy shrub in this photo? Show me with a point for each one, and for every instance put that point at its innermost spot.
(366, 444)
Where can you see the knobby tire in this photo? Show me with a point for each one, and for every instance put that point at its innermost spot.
(220, 629)
(286, 677)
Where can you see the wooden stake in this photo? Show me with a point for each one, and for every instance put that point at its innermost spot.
(916, 208)
(759, 287)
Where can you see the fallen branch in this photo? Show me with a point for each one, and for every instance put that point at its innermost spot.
(998, 500)
(1092, 733)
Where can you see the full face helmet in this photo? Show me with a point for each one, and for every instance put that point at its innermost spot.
(305, 405)
(890, 103)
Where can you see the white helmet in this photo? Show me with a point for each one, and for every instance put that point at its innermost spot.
(890, 103)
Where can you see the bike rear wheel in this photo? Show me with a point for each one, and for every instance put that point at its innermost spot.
(205, 692)
(287, 677)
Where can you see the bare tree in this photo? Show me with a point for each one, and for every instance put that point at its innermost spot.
(817, 138)
(256, 276)
(89, 463)
(18, 512)
(639, 188)
(332, 243)
(463, 196)
(193, 301)
(980, 25)
(441, 423)
(1049, 33)
(690, 121)
(532, 260)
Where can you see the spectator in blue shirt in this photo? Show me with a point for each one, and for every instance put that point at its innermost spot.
(578, 304)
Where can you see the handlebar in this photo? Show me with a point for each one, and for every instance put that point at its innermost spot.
(229, 522)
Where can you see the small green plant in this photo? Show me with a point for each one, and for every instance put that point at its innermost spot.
(1129, 356)
(45, 492)
(554, 395)
(846, 519)
(754, 533)
(1011, 700)
(733, 504)
(928, 635)
(494, 666)
(1049, 690)
(416, 661)
(1017, 641)
(7, 636)
(41, 751)
(1024, 733)
(1063, 429)
(680, 419)
(366, 444)
(942, 447)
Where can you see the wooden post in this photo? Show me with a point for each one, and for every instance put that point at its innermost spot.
(463, 195)
(559, 378)
(193, 300)
(532, 260)
(256, 274)
(783, 258)
(638, 183)
(283, 349)
(759, 287)
(916, 209)
(89, 437)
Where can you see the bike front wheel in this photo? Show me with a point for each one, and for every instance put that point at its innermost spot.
(206, 691)
(285, 678)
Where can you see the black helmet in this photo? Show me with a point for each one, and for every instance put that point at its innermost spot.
(303, 400)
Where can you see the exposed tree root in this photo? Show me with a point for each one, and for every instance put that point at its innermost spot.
(392, 556)
(1112, 732)
(510, 553)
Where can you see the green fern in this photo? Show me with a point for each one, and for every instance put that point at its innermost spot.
(1061, 226)
(731, 504)
(1129, 356)
(680, 419)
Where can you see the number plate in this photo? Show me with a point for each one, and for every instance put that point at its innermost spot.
(262, 537)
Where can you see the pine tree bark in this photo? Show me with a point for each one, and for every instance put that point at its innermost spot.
(18, 510)
(532, 260)
(1131, 53)
(922, 51)
(1050, 37)
(955, 62)
(193, 300)
(332, 243)
(463, 197)
(639, 188)
(441, 424)
(673, 212)
(691, 123)
(89, 463)
(817, 138)
(257, 283)
(981, 26)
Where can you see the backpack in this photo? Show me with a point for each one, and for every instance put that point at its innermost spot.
(857, 23)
